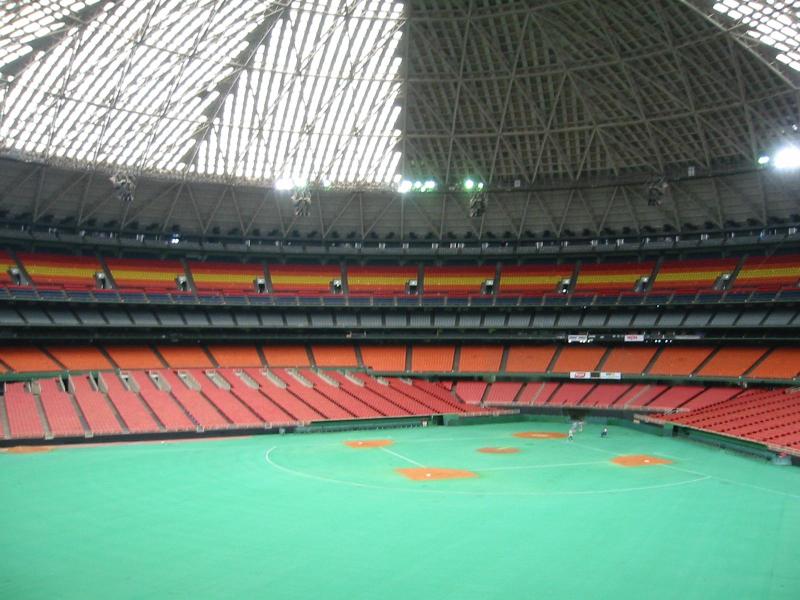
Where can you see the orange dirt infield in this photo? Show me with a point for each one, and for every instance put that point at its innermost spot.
(426, 474)
(28, 449)
(540, 435)
(639, 460)
(369, 443)
(498, 450)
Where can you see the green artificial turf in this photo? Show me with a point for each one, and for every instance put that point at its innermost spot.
(313, 518)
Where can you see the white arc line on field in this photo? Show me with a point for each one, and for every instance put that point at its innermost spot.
(405, 458)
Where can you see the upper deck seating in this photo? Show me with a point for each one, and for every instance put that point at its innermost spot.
(769, 272)
(312, 280)
(286, 356)
(692, 274)
(731, 362)
(780, 363)
(529, 359)
(235, 355)
(80, 358)
(533, 279)
(225, 277)
(134, 357)
(432, 358)
(75, 272)
(629, 359)
(379, 280)
(334, 355)
(384, 358)
(480, 359)
(578, 358)
(456, 280)
(185, 357)
(24, 359)
(145, 274)
(612, 277)
(678, 360)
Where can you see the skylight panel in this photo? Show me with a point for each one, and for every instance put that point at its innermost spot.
(775, 23)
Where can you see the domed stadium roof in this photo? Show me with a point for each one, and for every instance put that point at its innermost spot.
(574, 114)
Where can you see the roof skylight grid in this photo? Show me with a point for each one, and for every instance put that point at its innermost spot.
(250, 89)
(775, 23)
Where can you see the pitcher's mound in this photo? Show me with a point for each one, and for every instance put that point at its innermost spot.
(429, 474)
(28, 449)
(639, 460)
(369, 443)
(541, 435)
(498, 450)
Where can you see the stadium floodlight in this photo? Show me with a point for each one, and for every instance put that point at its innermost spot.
(429, 185)
(284, 184)
(763, 159)
(404, 186)
(787, 158)
(418, 185)
(469, 184)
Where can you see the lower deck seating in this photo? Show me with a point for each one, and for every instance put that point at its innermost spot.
(62, 418)
(23, 415)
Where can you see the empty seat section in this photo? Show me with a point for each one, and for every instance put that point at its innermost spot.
(692, 274)
(456, 281)
(480, 359)
(235, 356)
(410, 405)
(134, 357)
(257, 402)
(332, 355)
(164, 406)
(578, 358)
(503, 392)
(780, 363)
(369, 397)
(6, 263)
(283, 398)
(675, 397)
(710, 396)
(147, 275)
(529, 359)
(58, 408)
(129, 406)
(533, 279)
(225, 277)
(613, 277)
(769, 272)
(425, 395)
(286, 356)
(432, 358)
(26, 359)
(605, 394)
(321, 404)
(537, 393)
(185, 357)
(224, 401)
(312, 280)
(731, 362)
(23, 416)
(639, 395)
(679, 360)
(470, 392)
(75, 272)
(201, 410)
(341, 397)
(380, 280)
(570, 394)
(384, 358)
(628, 359)
(94, 406)
(80, 358)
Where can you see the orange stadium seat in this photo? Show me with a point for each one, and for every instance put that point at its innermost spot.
(578, 358)
(432, 358)
(134, 357)
(629, 359)
(533, 279)
(286, 356)
(781, 363)
(692, 274)
(62, 271)
(614, 277)
(380, 280)
(731, 362)
(529, 359)
(226, 277)
(456, 280)
(384, 358)
(145, 274)
(303, 279)
(480, 359)
(678, 360)
(184, 357)
(331, 355)
(6, 263)
(27, 359)
(235, 356)
(771, 272)
(80, 358)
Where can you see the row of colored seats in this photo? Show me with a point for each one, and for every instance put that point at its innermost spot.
(757, 362)
(78, 272)
(175, 400)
